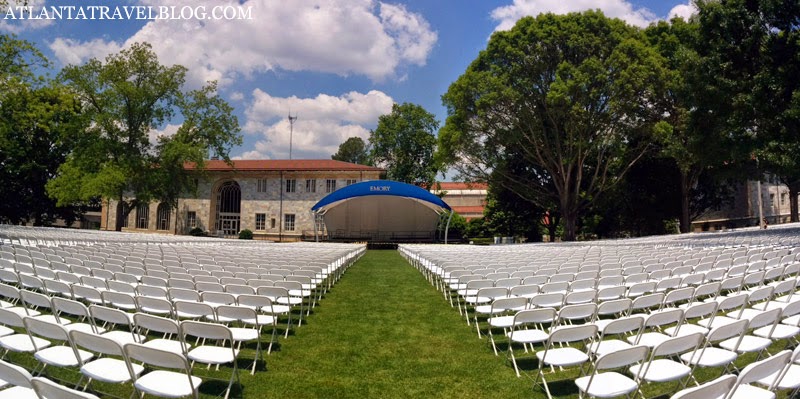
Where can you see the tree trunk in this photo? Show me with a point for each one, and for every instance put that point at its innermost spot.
(794, 190)
(570, 217)
(686, 193)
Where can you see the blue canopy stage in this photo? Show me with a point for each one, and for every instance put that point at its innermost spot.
(382, 210)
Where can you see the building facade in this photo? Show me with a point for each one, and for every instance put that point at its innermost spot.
(744, 209)
(272, 198)
(466, 199)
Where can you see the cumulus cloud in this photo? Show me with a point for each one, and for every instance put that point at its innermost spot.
(343, 37)
(16, 18)
(167, 131)
(323, 122)
(507, 16)
(683, 11)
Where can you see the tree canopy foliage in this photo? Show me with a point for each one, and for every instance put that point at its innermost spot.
(353, 150)
(35, 116)
(570, 95)
(128, 98)
(405, 142)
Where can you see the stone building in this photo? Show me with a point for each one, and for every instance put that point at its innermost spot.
(743, 209)
(272, 198)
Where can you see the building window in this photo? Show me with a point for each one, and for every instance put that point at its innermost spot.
(784, 196)
(142, 216)
(771, 199)
(261, 221)
(288, 222)
(350, 181)
(125, 214)
(272, 223)
(262, 186)
(162, 216)
(311, 185)
(330, 185)
(291, 185)
(191, 219)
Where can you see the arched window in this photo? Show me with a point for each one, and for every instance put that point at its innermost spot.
(162, 214)
(143, 216)
(229, 205)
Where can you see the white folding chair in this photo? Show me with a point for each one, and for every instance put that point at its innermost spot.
(109, 364)
(709, 355)
(770, 367)
(661, 367)
(611, 383)
(209, 353)
(118, 324)
(146, 324)
(63, 355)
(626, 327)
(18, 342)
(566, 356)
(47, 389)
(651, 334)
(161, 382)
(752, 343)
(528, 329)
(245, 325)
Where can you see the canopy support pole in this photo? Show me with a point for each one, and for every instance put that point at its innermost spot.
(447, 227)
(314, 217)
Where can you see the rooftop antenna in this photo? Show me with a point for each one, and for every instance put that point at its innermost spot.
(292, 119)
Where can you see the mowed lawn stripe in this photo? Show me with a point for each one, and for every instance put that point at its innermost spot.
(383, 331)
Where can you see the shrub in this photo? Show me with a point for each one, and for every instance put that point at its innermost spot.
(245, 235)
(197, 232)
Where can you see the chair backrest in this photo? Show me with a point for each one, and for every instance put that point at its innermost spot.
(156, 323)
(503, 304)
(726, 331)
(664, 317)
(572, 333)
(10, 319)
(538, 315)
(109, 315)
(647, 301)
(156, 357)
(96, 343)
(15, 375)
(69, 306)
(45, 329)
(201, 329)
(678, 345)
(630, 324)
(762, 369)
(715, 389)
(621, 357)
(548, 300)
(700, 309)
(578, 311)
(616, 306)
(47, 389)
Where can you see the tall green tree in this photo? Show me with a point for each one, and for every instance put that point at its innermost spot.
(127, 98)
(405, 142)
(353, 150)
(35, 115)
(571, 94)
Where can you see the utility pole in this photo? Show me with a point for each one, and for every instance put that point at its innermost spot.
(292, 119)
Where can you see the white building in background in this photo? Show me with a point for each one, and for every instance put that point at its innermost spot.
(743, 211)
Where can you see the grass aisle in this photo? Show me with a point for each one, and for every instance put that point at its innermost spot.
(383, 331)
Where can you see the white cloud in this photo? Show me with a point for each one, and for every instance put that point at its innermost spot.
(507, 16)
(17, 18)
(683, 11)
(342, 37)
(323, 122)
(167, 131)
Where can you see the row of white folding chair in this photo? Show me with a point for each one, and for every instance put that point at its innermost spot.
(20, 384)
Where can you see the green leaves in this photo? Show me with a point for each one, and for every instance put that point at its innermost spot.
(404, 142)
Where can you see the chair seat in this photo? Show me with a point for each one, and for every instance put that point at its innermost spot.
(717, 321)
(749, 343)
(528, 336)
(750, 392)
(168, 345)
(6, 331)
(562, 357)
(244, 334)
(712, 357)
(110, 370)
(23, 343)
(212, 355)
(502, 321)
(52, 319)
(790, 381)
(123, 337)
(167, 384)
(662, 370)
(62, 356)
(18, 393)
(686, 329)
(609, 345)
(85, 327)
(781, 331)
(607, 385)
(650, 339)
(792, 320)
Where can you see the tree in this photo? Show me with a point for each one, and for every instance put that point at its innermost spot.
(353, 150)
(571, 95)
(404, 143)
(34, 116)
(127, 98)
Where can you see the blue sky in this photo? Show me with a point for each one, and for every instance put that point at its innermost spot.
(336, 64)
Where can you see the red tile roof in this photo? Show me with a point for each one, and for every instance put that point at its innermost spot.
(285, 164)
(462, 186)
